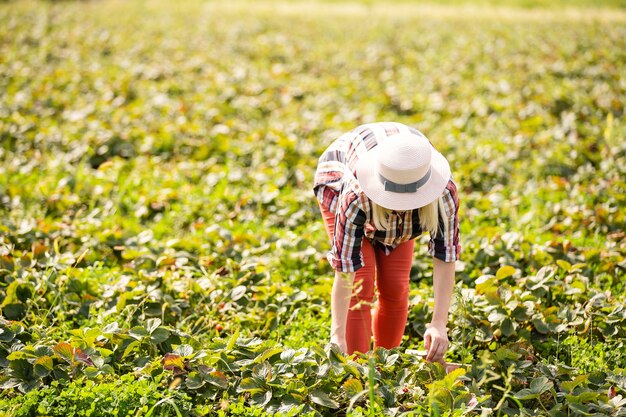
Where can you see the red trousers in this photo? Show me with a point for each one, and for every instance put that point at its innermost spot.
(389, 274)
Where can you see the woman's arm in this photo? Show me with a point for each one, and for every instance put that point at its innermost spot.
(339, 306)
(436, 336)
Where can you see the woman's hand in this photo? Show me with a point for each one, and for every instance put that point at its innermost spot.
(436, 341)
(436, 336)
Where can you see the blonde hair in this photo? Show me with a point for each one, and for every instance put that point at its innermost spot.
(429, 216)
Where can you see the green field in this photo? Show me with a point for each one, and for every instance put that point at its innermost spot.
(162, 253)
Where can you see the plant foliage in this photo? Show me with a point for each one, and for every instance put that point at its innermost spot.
(161, 252)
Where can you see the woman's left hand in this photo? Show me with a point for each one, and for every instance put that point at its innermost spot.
(436, 341)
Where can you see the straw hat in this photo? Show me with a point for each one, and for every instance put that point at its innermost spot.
(403, 172)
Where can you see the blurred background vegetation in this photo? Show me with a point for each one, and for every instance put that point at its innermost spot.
(156, 161)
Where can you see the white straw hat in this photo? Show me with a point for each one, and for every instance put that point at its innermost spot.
(403, 172)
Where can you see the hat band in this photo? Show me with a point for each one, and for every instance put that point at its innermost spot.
(411, 187)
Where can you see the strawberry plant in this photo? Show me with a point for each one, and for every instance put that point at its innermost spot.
(162, 254)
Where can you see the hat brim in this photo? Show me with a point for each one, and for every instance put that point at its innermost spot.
(374, 189)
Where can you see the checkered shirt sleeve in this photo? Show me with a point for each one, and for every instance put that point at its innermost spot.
(445, 244)
(350, 219)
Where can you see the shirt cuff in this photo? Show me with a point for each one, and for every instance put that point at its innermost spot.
(343, 265)
(446, 254)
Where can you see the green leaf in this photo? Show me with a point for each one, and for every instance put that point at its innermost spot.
(9, 382)
(6, 335)
(159, 335)
(184, 351)
(540, 326)
(218, 379)
(496, 316)
(19, 354)
(388, 396)
(14, 311)
(566, 266)
(111, 328)
(138, 332)
(391, 360)
(18, 292)
(262, 398)
(29, 385)
(618, 401)
(579, 408)
(288, 355)
(350, 368)
(504, 272)
(507, 327)
(336, 358)
(92, 372)
(525, 394)
(43, 366)
(506, 354)
(583, 398)
(570, 385)
(64, 351)
(21, 369)
(352, 387)
(131, 347)
(355, 398)
(540, 385)
(322, 398)
(43, 351)
(289, 406)
(7, 263)
(263, 371)
(105, 353)
(152, 325)
(121, 301)
(91, 334)
(268, 354)
(521, 313)
(233, 340)
(451, 379)
(238, 292)
(484, 334)
(485, 284)
(252, 384)
(194, 381)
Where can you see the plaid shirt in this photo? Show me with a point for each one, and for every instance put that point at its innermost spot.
(338, 190)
